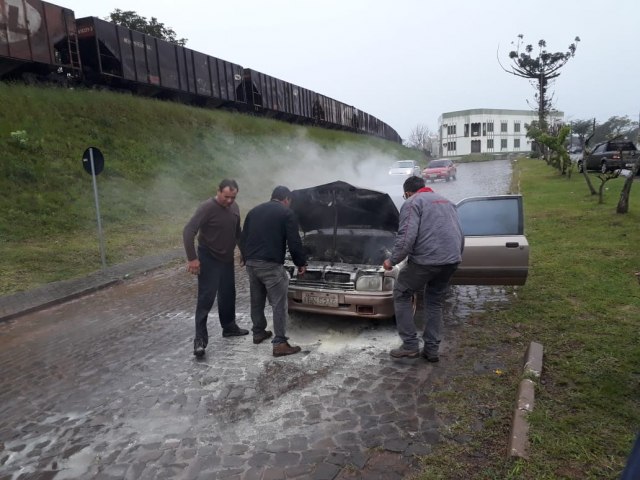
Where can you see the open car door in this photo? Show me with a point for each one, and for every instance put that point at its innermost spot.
(496, 252)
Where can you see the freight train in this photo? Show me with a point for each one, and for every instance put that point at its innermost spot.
(40, 40)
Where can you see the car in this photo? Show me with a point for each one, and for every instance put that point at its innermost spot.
(348, 232)
(441, 169)
(405, 167)
(609, 156)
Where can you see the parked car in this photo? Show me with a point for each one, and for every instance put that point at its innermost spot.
(442, 169)
(348, 232)
(405, 167)
(610, 155)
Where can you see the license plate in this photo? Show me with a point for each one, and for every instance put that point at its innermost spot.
(320, 299)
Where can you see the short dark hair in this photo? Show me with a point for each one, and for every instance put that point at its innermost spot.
(280, 193)
(228, 182)
(413, 184)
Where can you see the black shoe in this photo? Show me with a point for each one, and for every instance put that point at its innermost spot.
(261, 336)
(430, 357)
(234, 331)
(198, 348)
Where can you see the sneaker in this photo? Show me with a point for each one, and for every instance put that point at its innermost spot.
(198, 347)
(261, 336)
(430, 357)
(282, 349)
(402, 353)
(234, 331)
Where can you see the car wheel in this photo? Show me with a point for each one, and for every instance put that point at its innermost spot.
(604, 168)
(447, 178)
(454, 177)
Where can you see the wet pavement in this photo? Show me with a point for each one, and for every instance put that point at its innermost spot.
(105, 386)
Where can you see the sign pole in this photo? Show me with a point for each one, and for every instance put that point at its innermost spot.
(95, 194)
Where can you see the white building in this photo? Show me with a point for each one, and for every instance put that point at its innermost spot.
(487, 130)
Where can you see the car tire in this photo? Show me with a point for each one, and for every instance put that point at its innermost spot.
(447, 178)
(604, 168)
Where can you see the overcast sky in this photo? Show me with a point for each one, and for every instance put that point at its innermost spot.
(408, 61)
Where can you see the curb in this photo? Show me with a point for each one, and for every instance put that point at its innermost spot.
(21, 303)
(519, 438)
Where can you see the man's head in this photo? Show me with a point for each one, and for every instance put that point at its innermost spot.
(412, 185)
(282, 194)
(227, 192)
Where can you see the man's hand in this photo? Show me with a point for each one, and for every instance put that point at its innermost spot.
(301, 270)
(193, 266)
(387, 265)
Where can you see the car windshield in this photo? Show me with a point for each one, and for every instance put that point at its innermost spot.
(438, 164)
(403, 164)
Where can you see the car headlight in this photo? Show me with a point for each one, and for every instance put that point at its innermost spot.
(369, 283)
(387, 284)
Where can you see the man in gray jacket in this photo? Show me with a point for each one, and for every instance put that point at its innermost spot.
(431, 237)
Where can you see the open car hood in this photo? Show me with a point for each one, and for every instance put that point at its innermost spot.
(341, 205)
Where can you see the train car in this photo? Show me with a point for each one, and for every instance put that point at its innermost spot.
(126, 59)
(37, 39)
(272, 97)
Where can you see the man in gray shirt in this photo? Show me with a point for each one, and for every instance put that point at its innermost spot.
(431, 237)
(217, 224)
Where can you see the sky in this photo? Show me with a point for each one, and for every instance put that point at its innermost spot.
(408, 61)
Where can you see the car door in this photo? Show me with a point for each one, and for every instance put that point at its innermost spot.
(496, 251)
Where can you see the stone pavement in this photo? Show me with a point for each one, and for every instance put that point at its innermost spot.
(53, 293)
(105, 386)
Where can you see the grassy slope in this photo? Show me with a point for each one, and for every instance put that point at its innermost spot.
(161, 160)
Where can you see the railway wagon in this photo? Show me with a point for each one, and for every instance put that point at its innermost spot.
(123, 58)
(277, 98)
(37, 38)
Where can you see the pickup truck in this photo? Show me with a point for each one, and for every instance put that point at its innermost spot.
(609, 156)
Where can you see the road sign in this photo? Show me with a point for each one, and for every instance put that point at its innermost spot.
(92, 154)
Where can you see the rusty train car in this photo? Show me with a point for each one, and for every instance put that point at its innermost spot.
(43, 41)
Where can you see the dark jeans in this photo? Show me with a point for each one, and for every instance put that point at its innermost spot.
(215, 277)
(269, 280)
(434, 279)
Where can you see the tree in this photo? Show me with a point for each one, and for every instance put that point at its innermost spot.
(540, 70)
(558, 156)
(421, 138)
(132, 20)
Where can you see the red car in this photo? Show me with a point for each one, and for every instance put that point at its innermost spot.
(440, 170)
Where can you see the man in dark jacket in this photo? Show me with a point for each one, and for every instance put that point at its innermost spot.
(267, 231)
(217, 224)
(431, 237)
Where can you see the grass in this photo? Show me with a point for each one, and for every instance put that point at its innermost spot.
(581, 302)
(161, 160)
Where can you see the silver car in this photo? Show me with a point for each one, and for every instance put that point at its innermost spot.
(349, 231)
(406, 168)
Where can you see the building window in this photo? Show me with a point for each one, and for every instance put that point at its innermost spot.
(489, 143)
(475, 129)
(451, 146)
(490, 127)
(516, 127)
(503, 127)
(484, 129)
(466, 129)
(451, 129)
(503, 144)
(516, 143)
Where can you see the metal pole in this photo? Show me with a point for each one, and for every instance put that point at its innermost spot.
(95, 194)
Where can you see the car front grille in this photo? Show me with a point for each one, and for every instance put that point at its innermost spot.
(327, 280)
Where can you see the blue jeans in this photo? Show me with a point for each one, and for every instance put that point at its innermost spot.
(434, 279)
(215, 277)
(269, 280)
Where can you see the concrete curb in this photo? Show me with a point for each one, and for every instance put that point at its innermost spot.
(21, 303)
(519, 438)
